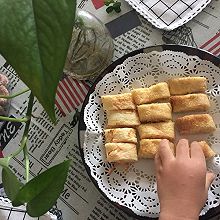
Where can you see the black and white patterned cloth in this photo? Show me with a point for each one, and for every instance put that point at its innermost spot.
(168, 14)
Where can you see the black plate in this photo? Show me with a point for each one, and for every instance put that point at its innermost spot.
(82, 127)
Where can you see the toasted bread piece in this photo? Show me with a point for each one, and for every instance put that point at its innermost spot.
(186, 85)
(191, 102)
(120, 135)
(121, 152)
(118, 102)
(151, 94)
(207, 150)
(194, 124)
(162, 130)
(155, 112)
(149, 147)
(122, 118)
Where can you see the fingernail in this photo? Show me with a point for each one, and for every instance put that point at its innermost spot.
(184, 140)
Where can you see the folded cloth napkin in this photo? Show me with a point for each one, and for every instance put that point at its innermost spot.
(168, 14)
(7, 211)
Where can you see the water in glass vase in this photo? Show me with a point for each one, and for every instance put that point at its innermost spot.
(91, 48)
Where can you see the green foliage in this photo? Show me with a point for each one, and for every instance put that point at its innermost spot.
(41, 193)
(4, 162)
(108, 2)
(113, 5)
(110, 9)
(34, 40)
(10, 183)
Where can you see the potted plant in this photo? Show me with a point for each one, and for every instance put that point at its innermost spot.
(34, 39)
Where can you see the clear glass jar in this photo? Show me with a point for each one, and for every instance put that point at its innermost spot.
(91, 48)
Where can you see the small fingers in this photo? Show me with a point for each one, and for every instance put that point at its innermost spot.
(182, 149)
(196, 151)
(165, 153)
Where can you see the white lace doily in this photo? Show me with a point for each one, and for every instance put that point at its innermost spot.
(136, 187)
(168, 14)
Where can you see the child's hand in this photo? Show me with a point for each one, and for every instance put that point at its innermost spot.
(182, 181)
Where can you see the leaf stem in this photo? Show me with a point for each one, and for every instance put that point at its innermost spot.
(14, 95)
(24, 139)
(23, 142)
(25, 135)
(4, 118)
(76, 44)
(27, 162)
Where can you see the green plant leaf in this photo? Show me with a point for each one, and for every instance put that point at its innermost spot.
(42, 192)
(4, 161)
(34, 39)
(109, 9)
(10, 183)
(117, 4)
(117, 7)
(108, 2)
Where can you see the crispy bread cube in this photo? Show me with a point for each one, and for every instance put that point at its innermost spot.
(121, 152)
(155, 112)
(122, 118)
(151, 94)
(149, 147)
(117, 102)
(191, 102)
(207, 150)
(120, 135)
(162, 130)
(186, 85)
(194, 124)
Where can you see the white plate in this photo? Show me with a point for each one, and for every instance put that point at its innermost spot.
(136, 188)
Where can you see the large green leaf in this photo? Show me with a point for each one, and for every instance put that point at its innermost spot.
(34, 39)
(4, 161)
(10, 182)
(41, 193)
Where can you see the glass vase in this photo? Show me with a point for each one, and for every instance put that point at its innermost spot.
(91, 48)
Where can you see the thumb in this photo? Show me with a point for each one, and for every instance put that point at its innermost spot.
(209, 178)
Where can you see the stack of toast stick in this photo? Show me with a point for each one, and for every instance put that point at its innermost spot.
(149, 112)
